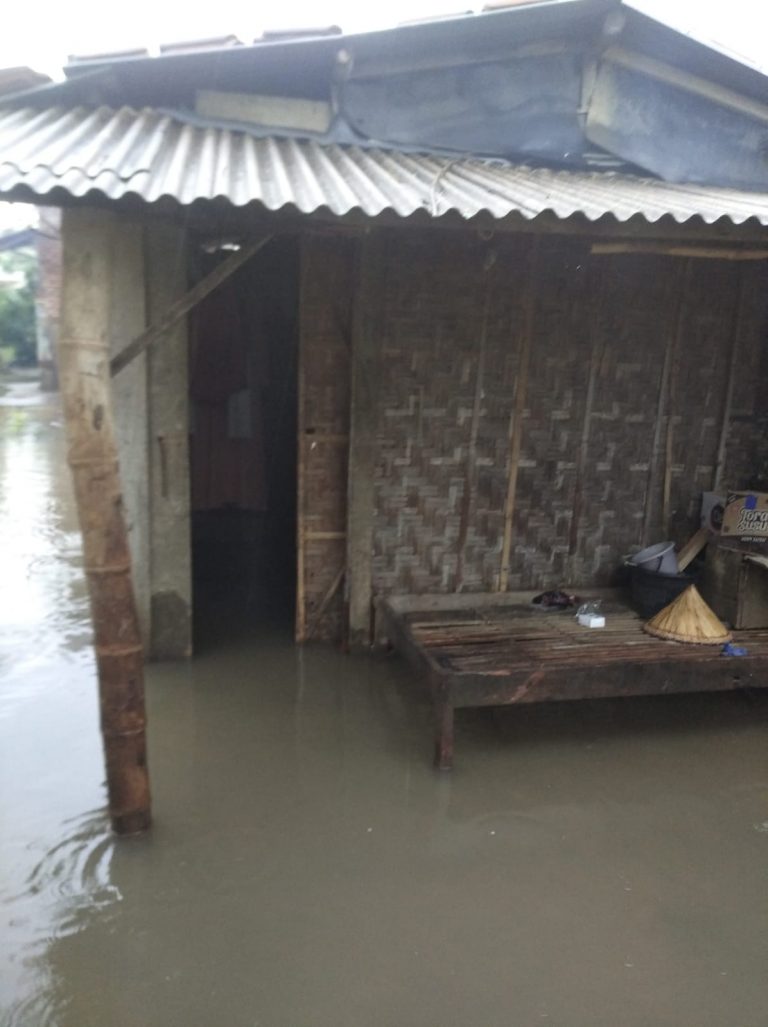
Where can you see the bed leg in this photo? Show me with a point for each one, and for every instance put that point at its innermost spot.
(444, 737)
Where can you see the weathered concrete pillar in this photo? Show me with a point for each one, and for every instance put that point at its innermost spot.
(86, 391)
(168, 404)
(362, 433)
(129, 396)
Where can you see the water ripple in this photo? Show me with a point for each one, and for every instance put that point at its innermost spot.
(42, 1009)
(68, 884)
(75, 873)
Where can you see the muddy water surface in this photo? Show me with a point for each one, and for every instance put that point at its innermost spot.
(587, 865)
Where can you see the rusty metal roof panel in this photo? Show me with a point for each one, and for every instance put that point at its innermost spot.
(152, 155)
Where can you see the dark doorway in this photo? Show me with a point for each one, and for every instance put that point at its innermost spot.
(243, 400)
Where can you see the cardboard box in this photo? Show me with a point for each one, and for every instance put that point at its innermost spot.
(745, 522)
(736, 587)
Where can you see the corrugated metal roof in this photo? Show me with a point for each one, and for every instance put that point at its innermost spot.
(151, 155)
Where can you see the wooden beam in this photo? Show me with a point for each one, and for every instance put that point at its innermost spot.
(362, 438)
(88, 246)
(185, 303)
(692, 548)
(675, 250)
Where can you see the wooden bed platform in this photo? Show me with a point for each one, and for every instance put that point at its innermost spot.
(496, 650)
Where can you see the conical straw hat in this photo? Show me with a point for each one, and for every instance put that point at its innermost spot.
(688, 619)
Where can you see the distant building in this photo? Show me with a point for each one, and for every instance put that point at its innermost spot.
(44, 243)
(48, 298)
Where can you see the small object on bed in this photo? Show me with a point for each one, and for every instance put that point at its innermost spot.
(554, 600)
(733, 650)
(589, 615)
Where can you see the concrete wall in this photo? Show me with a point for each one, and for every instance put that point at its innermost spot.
(129, 394)
(169, 502)
(150, 402)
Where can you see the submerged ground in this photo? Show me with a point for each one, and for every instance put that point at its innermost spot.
(585, 865)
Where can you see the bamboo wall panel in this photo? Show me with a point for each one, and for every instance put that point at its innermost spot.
(630, 321)
(747, 440)
(427, 389)
(698, 389)
(553, 417)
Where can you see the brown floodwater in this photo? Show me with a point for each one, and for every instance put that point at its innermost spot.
(586, 864)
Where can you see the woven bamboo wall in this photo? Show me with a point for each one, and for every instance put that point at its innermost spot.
(614, 450)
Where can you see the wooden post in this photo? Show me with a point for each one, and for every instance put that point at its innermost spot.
(85, 388)
(369, 282)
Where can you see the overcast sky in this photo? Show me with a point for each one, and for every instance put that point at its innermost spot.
(43, 33)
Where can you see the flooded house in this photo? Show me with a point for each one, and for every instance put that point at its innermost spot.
(476, 305)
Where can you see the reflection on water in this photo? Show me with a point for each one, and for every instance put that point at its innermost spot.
(53, 855)
(587, 865)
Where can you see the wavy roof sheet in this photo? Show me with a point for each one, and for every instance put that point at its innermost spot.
(151, 155)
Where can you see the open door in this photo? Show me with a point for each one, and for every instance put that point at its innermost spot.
(243, 401)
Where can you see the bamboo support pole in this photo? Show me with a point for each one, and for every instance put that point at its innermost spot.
(367, 315)
(674, 374)
(85, 388)
(516, 420)
(678, 284)
(302, 442)
(595, 361)
(725, 419)
(470, 465)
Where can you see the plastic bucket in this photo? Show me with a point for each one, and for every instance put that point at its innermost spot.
(659, 558)
(651, 592)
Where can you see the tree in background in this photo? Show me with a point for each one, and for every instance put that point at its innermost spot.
(18, 333)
